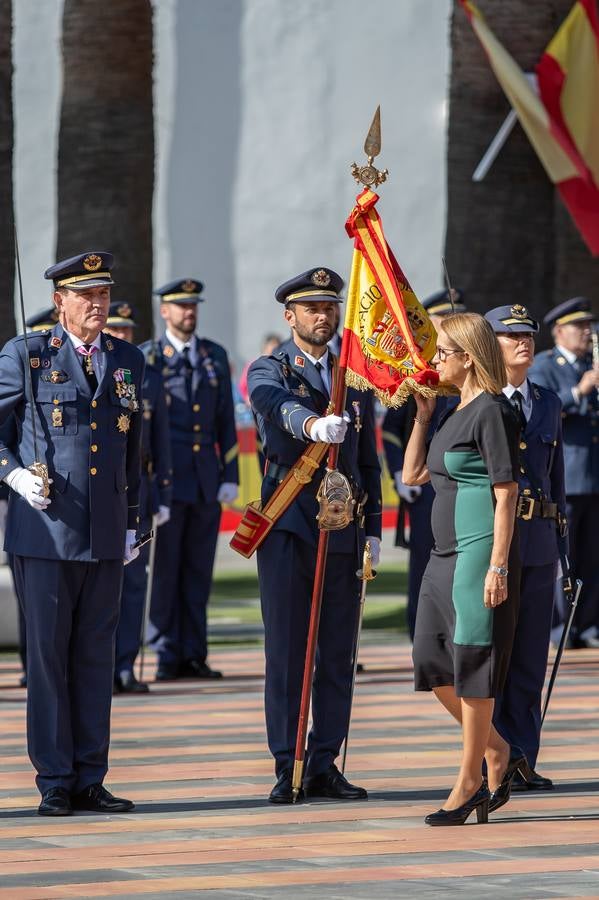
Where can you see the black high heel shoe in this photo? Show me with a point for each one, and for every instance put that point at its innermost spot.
(501, 794)
(478, 802)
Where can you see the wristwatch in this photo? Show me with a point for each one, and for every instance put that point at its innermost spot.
(499, 570)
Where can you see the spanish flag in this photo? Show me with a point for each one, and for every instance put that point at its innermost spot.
(388, 338)
(563, 123)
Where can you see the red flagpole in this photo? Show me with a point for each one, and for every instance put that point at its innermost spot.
(317, 590)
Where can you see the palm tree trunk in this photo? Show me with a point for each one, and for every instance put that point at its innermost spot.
(7, 253)
(509, 239)
(106, 142)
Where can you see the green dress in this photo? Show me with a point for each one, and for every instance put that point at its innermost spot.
(458, 641)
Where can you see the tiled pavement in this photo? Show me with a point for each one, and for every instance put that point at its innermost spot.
(193, 758)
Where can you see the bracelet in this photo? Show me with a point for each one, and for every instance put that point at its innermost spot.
(499, 570)
(421, 421)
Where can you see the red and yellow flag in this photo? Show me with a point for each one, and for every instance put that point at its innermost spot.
(388, 338)
(563, 123)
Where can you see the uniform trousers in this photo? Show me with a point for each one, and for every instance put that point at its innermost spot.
(185, 550)
(421, 544)
(286, 574)
(583, 527)
(517, 714)
(71, 612)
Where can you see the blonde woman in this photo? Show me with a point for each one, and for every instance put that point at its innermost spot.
(468, 602)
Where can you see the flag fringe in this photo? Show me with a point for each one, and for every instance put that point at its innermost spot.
(405, 390)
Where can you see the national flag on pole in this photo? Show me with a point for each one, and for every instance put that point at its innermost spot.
(563, 123)
(388, 338)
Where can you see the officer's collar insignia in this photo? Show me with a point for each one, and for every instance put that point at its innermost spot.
(561, 360)
(169, 351)
(188, 286)
(56, 342)
(92, 262)
(519, 312)
(34, 362)
(109, 344)
(300, 361)
(56, 376)
(320, 278)
(535, 391)
(122, 423)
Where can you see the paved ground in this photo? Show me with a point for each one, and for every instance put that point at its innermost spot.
(193, 758)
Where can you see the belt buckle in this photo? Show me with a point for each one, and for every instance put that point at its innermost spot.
(523, 511)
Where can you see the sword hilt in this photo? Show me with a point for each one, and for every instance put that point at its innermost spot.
(41, 470)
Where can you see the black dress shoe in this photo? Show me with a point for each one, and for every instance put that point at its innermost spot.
(501, 794)
(282, 791)
(96, 798)
(526, 779)
(126, 683)
(478, 802)
(334, 785)
(166, 673)
(55, 802)
(193, 668)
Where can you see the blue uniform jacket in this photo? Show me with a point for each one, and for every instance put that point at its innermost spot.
(204, 446)
(155, 441)
(580, 421)
(91, 447)
(284, 392)
(542, 458)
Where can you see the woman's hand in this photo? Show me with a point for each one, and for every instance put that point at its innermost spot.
(425, 406)
(495, 590)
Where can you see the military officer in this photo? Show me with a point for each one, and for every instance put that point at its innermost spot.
(289, 393)
(569, 371)
(154, 503)
(205, 453)
(541, 511)
(69, 545)
(416, 500)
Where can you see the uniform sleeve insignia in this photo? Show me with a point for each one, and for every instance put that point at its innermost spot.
(299, 361)
(168, 351)
(3, 461)
(56, 342)
(320, 278)
(34, 362)
(561, 361)
(92, 262)
(123, 422)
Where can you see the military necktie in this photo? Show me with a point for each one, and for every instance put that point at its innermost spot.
(517, 401)
(87, 351)
(322, 387)
(187, 368)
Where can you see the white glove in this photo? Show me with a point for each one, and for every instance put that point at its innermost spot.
(163, 515)
(29, 486)
(330, 429)
(375, 550)
(227, 492)
(130, 554)
(407, 492)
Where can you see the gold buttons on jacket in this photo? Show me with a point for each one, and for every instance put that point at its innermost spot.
(94, 403)
(94, 448)
(93, 426)
(56, 401)
(197, 427)
(196, 448)
(196, 407)
(92, 471)
(523, 445)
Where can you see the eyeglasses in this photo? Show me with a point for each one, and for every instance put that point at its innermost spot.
(442, 353)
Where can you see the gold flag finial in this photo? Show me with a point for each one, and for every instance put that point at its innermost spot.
(369, 175)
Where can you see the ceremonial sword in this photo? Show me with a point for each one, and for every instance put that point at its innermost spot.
(563, 639)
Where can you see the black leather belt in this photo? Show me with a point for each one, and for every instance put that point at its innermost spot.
(528, 508)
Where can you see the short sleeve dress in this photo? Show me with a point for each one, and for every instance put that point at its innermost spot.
(458, 641)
